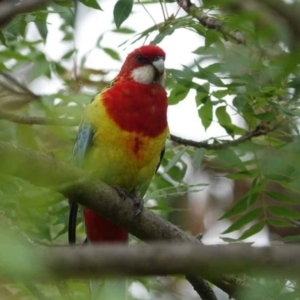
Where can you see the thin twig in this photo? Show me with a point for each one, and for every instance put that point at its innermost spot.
(162, 9)
(261, 129)
(4, 115)
(210, 22)
(145, 8)
(165, 4)
(17, 94)
(18, 84)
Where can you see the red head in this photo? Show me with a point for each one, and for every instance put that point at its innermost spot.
(144, 65)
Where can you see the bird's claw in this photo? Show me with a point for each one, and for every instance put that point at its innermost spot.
(138, 204)
(121, 192)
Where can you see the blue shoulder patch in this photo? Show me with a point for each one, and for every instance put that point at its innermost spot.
(82, 144)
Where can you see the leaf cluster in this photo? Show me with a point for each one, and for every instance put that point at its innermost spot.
(234, 87)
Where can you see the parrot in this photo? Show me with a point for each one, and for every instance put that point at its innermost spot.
(122, 138)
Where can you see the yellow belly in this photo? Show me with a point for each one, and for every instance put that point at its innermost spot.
(118, 157)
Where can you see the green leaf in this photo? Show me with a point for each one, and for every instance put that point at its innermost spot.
(30, 18)
(281, 178)
(91, 3)
(241, 206)
(204, 51)
(177, 172)
(231, 159)
(215, 68)
(220, 94)
(291, 239)
(174, 160)
(228, 240)
(209, 76)
(112, 53)
(278, 222)
(42, 28)
(198, 157)
(284, 212)
(245, 219)
(42, 67)
(211, 37)
(236, 130)
(63, 231)
(63, 4)
(242, 175)
(122, 11)
(239, 102)
(68, 54)
(11, 54)
(224, 119)
(2, 38)
(252, 230)
(163, 208)
(206, 113)
(169, 28)
(249, 114)
(124, 30)
(178, 93)
(266, 116)
(283, 198)
(201, 98)
(141, 35)
(162, 34)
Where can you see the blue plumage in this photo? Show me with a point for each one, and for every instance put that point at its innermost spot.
(82, 144)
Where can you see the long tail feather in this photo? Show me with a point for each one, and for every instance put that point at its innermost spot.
(72, 222)
(100, 230)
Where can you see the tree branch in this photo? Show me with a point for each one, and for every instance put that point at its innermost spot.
(171, 259)
(10, 9)
(4, 115)
(94, 261)
(13, 94)
(261, 129)
(44, 170)
(210, 22)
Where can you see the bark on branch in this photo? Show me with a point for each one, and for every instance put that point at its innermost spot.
(260, 130)
(172, 258)
(44, 170)
(12, 117)
(211, 22)
(9, 9)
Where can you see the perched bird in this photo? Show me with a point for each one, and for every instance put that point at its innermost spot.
(122, 136)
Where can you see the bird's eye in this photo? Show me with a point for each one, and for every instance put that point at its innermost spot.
(157, 57)
(142, 59)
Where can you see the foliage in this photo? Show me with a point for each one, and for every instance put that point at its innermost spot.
(238, 86)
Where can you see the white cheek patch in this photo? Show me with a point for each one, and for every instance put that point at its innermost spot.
(143, 74)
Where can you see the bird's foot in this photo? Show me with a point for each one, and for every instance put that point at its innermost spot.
(138, 204)
(121, 192)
